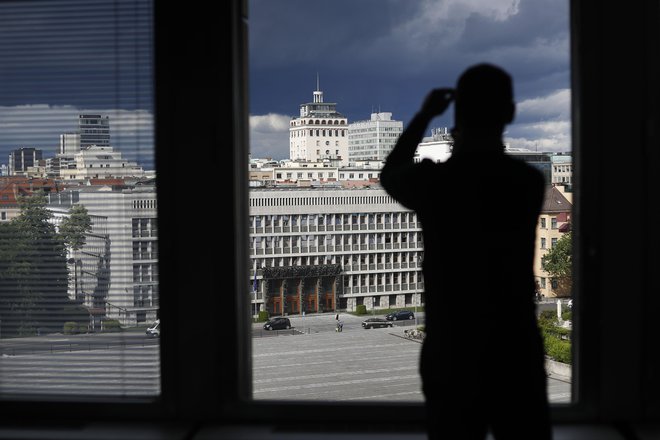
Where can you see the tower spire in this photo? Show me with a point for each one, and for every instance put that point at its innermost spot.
(318, 94)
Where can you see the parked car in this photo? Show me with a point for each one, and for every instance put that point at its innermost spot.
(277, 324)
(399, 315)
(154, 330)
(376, 323)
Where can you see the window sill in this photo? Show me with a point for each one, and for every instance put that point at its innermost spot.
(170, 431)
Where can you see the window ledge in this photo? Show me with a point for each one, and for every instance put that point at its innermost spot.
(167, 431)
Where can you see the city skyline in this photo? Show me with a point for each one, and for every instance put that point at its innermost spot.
(363, 68)
(53, 71)
(385, 56)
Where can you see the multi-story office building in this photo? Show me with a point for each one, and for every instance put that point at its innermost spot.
(93, 130)
(320, 249)
(319, 133)
(373, 139)
(23, 158)
(119, 262)
(562, 169)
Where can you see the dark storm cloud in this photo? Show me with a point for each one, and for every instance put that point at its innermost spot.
(387, 54)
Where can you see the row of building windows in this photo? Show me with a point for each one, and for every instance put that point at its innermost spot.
(553, 223)
(144, 227)
(288, 241)
(352, 263)
(315, 201)
(317, 122)
(317, 132)
(319, 175)
(144, 204)
(329, 219)
(553, 242)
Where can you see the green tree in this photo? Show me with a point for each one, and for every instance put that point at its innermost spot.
(75, 227)
(33, 271)
(558, 262)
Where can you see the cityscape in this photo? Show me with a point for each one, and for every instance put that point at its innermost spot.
(324, 237)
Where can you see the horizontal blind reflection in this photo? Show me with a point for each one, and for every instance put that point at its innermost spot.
(78, 288)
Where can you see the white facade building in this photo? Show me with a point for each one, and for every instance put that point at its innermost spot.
(562, 169)
(121, 251)
(320, 249)
(319, 133)
(100, 162)
(69, 144)
(436, 147)
(373, 139)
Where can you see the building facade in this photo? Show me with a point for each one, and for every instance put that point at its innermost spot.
(562, 169)
(319, 133)
(93, 130)
(326, 249)
(554, 222)
(373, 139)
(119, 262)
(21, 159)
(100, 162)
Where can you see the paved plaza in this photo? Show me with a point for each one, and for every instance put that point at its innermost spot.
(313, 362)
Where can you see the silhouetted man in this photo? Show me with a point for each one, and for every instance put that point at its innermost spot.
(482, 362)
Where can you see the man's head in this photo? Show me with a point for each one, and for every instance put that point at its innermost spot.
(484, 99)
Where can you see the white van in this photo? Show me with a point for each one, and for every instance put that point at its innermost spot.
(154, 330)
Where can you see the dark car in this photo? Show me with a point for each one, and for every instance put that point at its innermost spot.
(400, 315)
(376, 323)
(277, 324)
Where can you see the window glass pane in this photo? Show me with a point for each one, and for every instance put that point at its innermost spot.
(365, 67)
(78, 238)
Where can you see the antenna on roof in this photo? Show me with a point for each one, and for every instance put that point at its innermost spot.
(318, 88)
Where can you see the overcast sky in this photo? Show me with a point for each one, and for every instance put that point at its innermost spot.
(59, 59)
(386, 55)
(63, 59)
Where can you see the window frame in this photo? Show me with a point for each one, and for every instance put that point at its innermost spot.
(202, 382)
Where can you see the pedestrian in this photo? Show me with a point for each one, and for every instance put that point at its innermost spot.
(478, 211)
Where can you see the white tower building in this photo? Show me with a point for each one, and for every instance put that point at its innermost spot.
(373, 139)
(320, 133)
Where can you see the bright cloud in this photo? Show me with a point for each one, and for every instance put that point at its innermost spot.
(545, 123)
(269, 136)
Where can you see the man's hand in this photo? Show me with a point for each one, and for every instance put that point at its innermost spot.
(436, 102)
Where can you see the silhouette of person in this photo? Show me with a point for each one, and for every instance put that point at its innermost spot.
(482, 361)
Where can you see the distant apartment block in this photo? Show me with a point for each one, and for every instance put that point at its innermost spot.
(373, 139)
(21, 159)
(554, 222)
